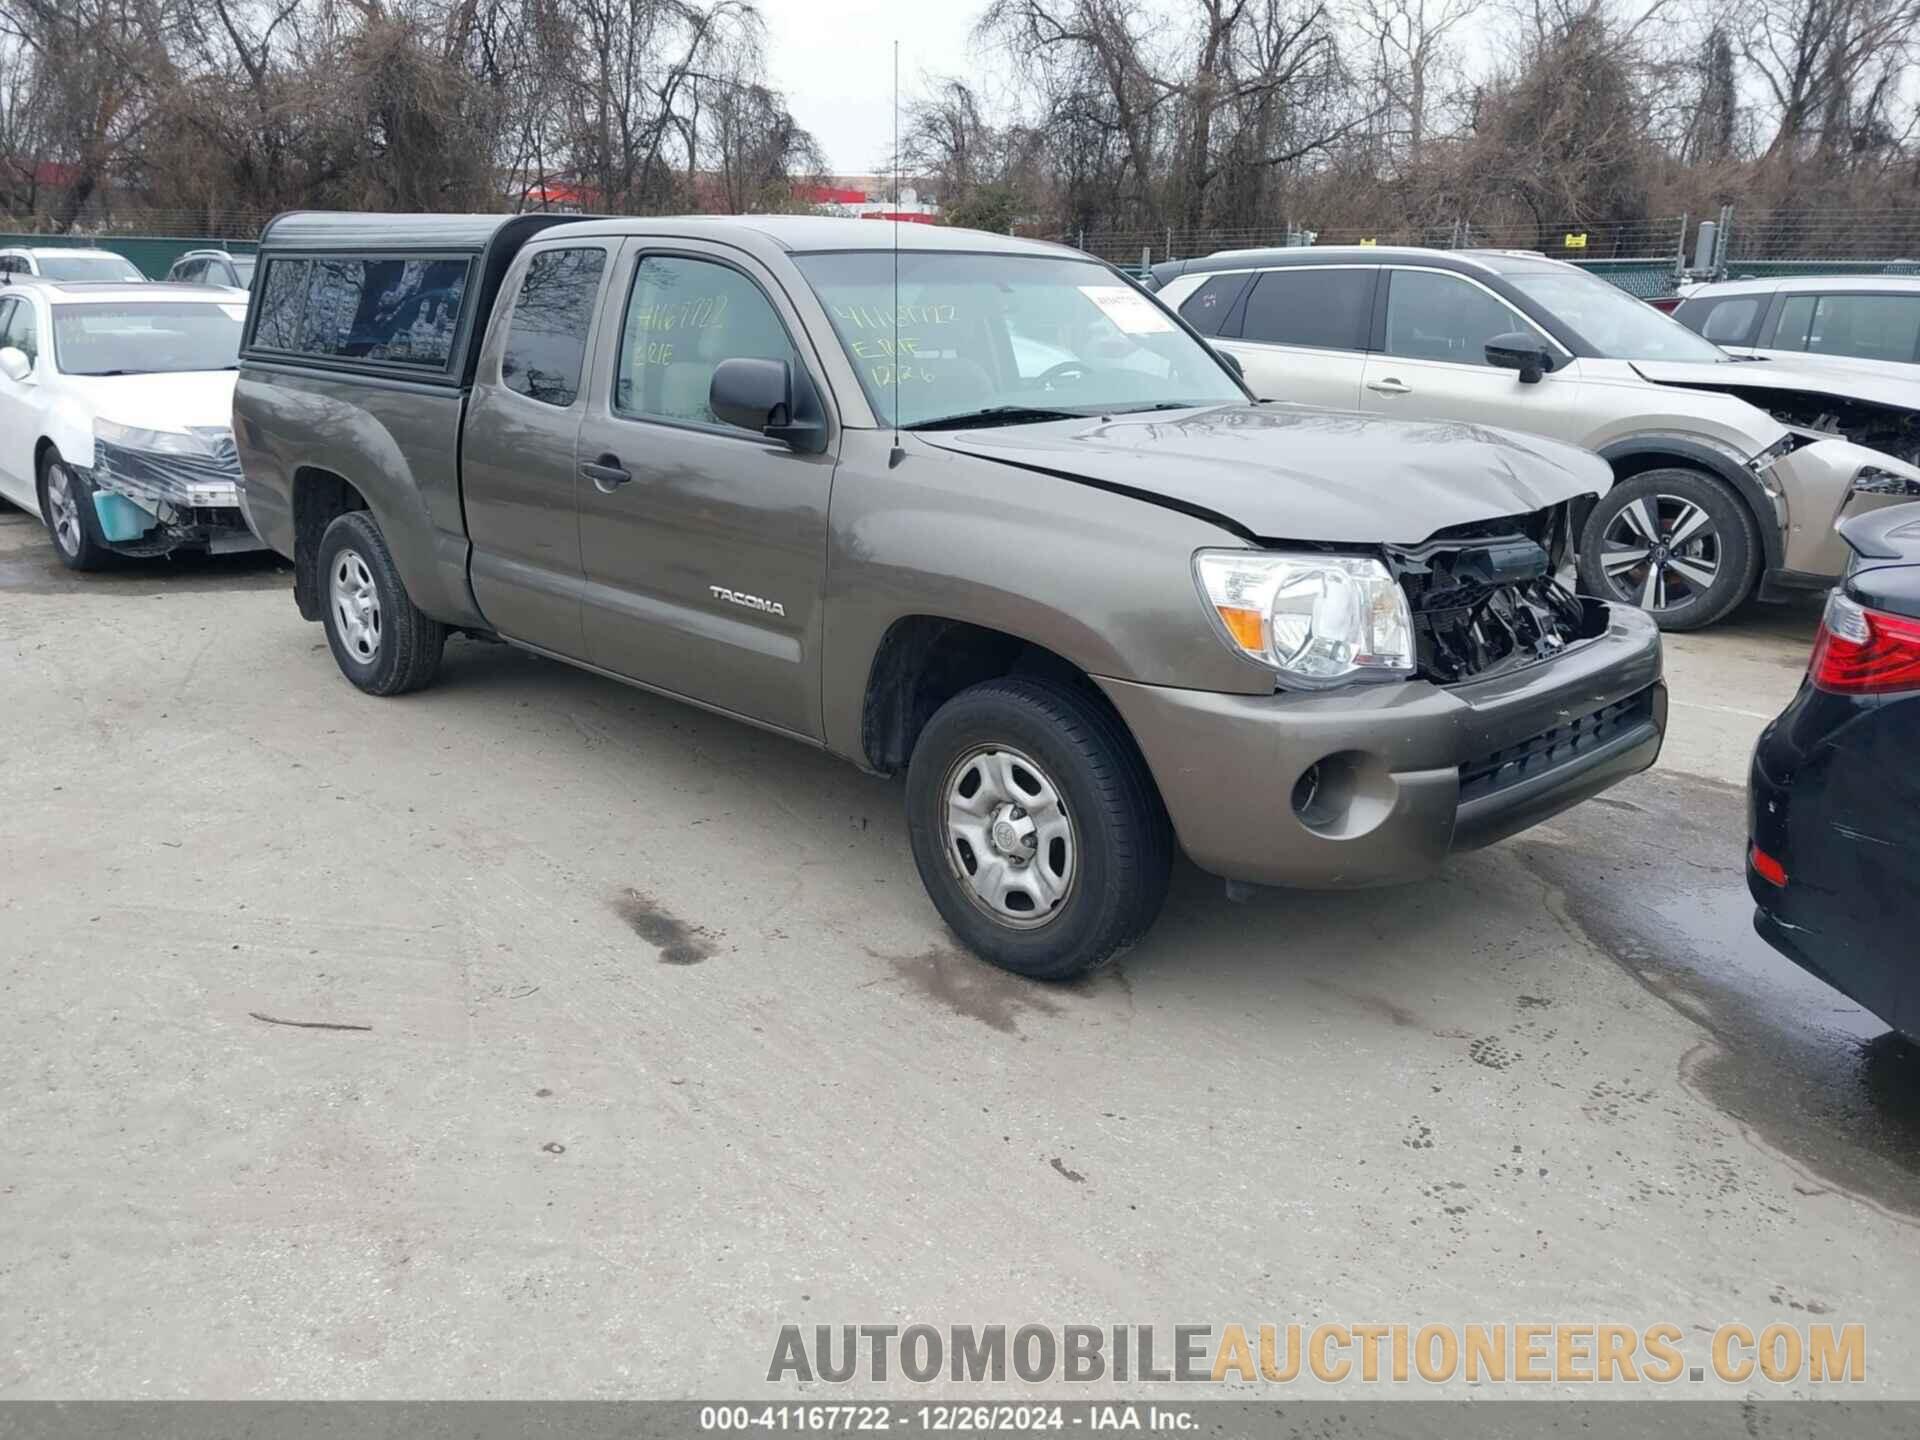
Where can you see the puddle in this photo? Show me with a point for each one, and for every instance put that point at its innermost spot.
(1802, 1066)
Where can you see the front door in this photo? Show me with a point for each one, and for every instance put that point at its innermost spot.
(21, 402)
(704, 545)
(519, 467)
(1432, 364)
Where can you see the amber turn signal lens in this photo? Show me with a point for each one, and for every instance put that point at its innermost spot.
(1244, 626)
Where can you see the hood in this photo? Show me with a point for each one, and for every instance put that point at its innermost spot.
(184, 400)
(1286, 472)
(1818, 379)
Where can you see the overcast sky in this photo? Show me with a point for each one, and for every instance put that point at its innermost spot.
(834, 60)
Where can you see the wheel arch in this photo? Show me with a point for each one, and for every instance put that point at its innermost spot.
(1637, 455)
(924, 660)
(320, 496)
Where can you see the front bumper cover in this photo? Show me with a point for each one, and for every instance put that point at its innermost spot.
(1407, 772)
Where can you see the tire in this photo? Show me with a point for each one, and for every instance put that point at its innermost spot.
(379, 637)
(66, 506)
(1022, 739)
(1624, 555)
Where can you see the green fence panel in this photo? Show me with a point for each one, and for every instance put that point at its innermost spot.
(1644, 279)
(154, 254)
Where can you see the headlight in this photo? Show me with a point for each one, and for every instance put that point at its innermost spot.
(1878, 480)
(203, 441)
(1319, 620)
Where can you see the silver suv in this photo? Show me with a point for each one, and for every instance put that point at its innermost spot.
(1715, 498)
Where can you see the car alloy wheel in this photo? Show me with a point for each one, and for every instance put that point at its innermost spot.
(1661, 552)
(63, 504)
(1010, 840)
(356, 605)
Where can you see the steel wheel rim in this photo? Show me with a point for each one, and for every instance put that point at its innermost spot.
(66, 509)
(356, 605)
(1009, 839)
(1661, 552)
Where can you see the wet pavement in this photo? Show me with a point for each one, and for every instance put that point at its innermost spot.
(537, 1036)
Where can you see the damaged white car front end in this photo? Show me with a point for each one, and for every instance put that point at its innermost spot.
(158, 490)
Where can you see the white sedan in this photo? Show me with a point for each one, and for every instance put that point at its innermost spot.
(116, 415)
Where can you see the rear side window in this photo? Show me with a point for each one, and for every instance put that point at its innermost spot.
(1868, 327)
(1315, 305)
(1208, 307)
(1730, 322)
(401, 312)
(547, 336)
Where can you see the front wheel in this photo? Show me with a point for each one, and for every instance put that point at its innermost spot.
(1036, 827)
(66, 504)
(1679, 544)
(381, 640)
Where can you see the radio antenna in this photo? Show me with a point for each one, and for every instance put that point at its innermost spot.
(899, 452)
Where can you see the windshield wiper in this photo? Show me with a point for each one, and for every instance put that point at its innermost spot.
(102, 374)
(1163, 405)
(997, 415)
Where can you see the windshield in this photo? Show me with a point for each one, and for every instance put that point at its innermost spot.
(88, 267)
(144, 339)
(243, 269)
(1612, 321)
(1007, 333)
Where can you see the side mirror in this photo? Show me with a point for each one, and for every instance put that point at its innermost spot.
(1232, 362)
(1522, 352)
(14, 364)
(763, 396)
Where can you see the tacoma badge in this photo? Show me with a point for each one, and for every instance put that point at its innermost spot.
(752, 602)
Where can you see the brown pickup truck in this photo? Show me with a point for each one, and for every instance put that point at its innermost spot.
(975, 509)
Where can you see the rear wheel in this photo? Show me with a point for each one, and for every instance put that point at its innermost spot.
(1679, 544)
(1036, 827)
(66, 504)
(381, 640)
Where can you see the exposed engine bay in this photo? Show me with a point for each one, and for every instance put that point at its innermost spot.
(1485, 599)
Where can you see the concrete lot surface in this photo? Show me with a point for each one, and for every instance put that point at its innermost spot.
(646, 1042)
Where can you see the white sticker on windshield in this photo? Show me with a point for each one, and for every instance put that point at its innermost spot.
(235, 312)
(1129, 310)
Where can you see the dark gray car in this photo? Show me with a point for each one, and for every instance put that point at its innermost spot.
(981, 511)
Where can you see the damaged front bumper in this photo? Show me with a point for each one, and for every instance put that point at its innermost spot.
(1372, 784)
(1823, 482)
(152, 502)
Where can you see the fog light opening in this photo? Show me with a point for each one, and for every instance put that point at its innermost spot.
(1344, 794)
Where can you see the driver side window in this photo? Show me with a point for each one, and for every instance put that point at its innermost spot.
(17, 329)
(683, 318)
(1443, 317)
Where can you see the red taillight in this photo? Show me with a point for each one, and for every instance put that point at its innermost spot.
(1864, 652)
(1766, 867)
(1667, 304)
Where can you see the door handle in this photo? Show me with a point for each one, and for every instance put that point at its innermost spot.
(607, 474)
(1390, 386)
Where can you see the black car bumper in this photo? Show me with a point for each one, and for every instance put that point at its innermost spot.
(1846, 913)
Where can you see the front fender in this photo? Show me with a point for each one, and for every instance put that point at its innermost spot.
(69, 427)
(1104, 581)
